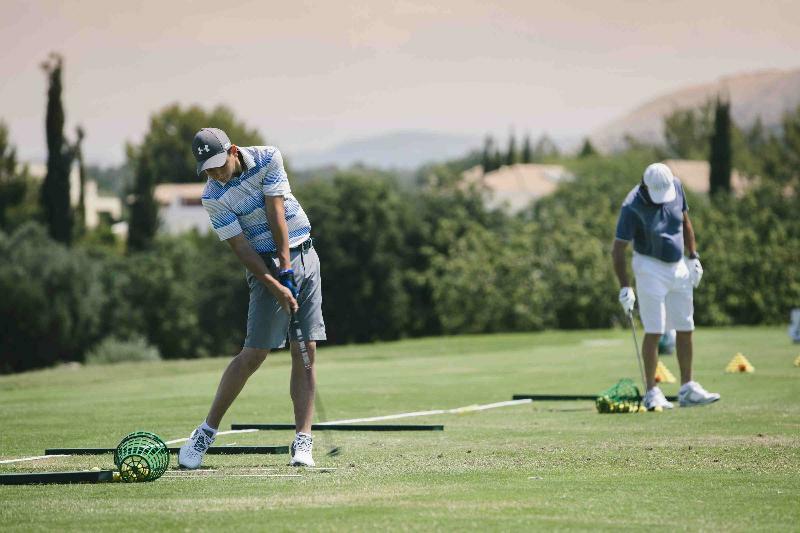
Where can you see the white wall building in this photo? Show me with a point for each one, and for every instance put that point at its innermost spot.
(180, 209)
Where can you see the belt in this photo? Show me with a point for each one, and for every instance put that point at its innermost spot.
(304, 246)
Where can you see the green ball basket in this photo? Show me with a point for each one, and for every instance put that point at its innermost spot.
(622, 397)
(141, 456)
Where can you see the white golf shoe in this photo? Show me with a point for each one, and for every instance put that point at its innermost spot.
(692, 393)
(191, 454)
(301, 449)
(655, 399)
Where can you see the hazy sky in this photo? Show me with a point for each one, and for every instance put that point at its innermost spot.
(310, 74)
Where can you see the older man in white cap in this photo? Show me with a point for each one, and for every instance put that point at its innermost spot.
(655, 217)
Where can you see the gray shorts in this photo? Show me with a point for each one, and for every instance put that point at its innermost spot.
(267, 322)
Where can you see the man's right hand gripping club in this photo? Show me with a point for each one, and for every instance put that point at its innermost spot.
(626, 299)
(286, 293)
(286, 278)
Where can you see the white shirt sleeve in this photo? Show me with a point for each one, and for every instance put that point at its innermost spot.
(276, 182)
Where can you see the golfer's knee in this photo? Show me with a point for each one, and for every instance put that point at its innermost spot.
(251, 358)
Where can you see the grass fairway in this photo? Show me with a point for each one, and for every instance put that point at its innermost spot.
(732, 466)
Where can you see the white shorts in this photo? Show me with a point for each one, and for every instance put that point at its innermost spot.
(664, 291)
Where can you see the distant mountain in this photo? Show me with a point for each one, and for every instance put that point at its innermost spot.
(766, 94)
(400, 150)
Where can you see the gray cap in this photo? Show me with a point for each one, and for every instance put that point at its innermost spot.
(210, 148)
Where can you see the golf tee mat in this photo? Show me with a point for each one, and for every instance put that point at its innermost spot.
(344, 427)
(213, 450)
(88, 476)
(566, 397)
(354, 424)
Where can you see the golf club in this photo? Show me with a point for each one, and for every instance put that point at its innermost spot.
(638, 354)
(320, 409)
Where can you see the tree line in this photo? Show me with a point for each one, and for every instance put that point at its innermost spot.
(545, 149)
(396, 261)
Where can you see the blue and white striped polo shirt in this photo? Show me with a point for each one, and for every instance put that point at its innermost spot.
(238, 206)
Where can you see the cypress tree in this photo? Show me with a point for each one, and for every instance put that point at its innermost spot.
(587, 150)
(78, 153)
(499, 159)
(55, 188)
(487, 157)
(721, 154)
(511, 156)
(526, 149)
(144, 210)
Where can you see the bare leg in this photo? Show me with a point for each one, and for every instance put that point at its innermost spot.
(650, 356)
(233, 379)
(303, 386)
(683, 345)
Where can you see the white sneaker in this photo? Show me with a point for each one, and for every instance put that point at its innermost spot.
(655, 398)
(301, 450)
(191, 454)
(692, 393)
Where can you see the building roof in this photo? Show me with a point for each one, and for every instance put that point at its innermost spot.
(518, 185)
(696, 175)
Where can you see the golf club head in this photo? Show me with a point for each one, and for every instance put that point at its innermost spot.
(333, 452)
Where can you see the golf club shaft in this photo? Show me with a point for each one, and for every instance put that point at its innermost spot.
(301, 341)
(638, 354)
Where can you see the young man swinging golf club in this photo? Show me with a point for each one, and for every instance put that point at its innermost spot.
(251, 207)
(655, 217)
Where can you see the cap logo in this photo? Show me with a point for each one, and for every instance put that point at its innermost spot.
(200, 150)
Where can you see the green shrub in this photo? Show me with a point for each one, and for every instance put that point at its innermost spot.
(115, 350)
(50, 308)
(187, 296)
(359, 226)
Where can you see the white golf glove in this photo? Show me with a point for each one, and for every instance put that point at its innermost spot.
(695, 271)
(626, 299)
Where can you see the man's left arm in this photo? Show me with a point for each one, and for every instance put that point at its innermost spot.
(688, 236)
(276, 216)
(275, 187)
